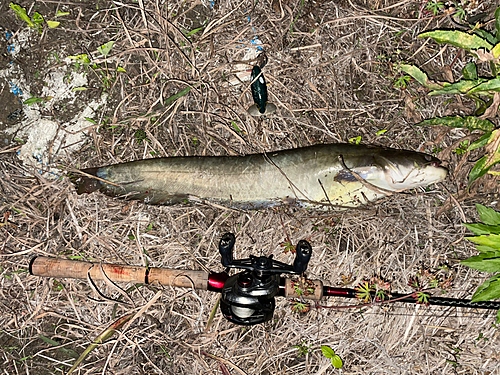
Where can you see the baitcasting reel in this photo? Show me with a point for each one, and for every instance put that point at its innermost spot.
(248, 297)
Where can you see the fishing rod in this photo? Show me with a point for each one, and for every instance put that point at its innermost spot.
(248, 296)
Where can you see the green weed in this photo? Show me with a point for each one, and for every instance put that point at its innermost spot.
(487, 240)
(485, 91)
(334, 358)
(36, 21)
(303, 349)
(106, 76)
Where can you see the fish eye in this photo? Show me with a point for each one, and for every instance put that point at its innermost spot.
(428, 157)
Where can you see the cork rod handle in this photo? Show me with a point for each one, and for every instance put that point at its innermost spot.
(64, 268)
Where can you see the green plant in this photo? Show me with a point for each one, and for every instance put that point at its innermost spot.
(487, 239)
(334, 358)
(434, 7)
(462, 148)
(303, 349)
(480, 338)
(300, 306)
(141, 136)
(35, 21)
(102, 72)
(303, 287)
(80, 60)
(288, 246)
(484, 91)
(375, 287)
(355, 140)
(35, 99)
(402, 82)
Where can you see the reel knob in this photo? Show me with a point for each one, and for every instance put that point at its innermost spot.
(302, 256)
(226, 246)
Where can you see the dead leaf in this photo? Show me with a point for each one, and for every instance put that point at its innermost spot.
(491, 111)
(448, 74)
(485, 56)
(410, 109)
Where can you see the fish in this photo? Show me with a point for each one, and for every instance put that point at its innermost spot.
(321, 176)
(261, 105)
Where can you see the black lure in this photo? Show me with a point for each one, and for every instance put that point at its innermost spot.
(259, 89)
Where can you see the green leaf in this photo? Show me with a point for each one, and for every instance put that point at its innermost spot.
(102, 338)
(21, 13)
(83, 58)
(461, 87)
(419, 76)
(34, 100)
(486, 35)
(327, 351)
(180, 94)
(68, 352)
(105, 49)
(479, 169)
(53, 24)
(194, 31)
(488, 215)
(470, 71)
(492, 158)
(355, 140)
(236, 126)
(380, 132)
(488, 291)
(483, 262)
(488, 250)
(458, 38)
(497, 23)
(491, 240)
(481, 142)
(337, 361)
(81, 88)
(60, 14)
(120, 69)
(479, 229)
(37, 19)
(496, 51)
(488, 86)
(469, 122)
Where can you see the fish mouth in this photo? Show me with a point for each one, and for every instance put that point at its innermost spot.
(401, 176)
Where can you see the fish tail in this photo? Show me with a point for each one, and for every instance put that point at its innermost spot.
(85, 183)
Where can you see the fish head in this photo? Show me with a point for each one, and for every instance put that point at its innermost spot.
(407, 169)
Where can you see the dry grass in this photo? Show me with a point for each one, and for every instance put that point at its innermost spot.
(329, 72)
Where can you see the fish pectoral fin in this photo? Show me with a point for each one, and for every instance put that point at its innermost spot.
(369, 172)
(344, 176)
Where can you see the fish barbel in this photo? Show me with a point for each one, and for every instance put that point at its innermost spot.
(318, 176)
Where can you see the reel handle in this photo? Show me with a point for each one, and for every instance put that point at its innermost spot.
(226, 246)
(302, 256)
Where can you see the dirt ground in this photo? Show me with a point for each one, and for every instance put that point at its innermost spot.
(332, 72)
